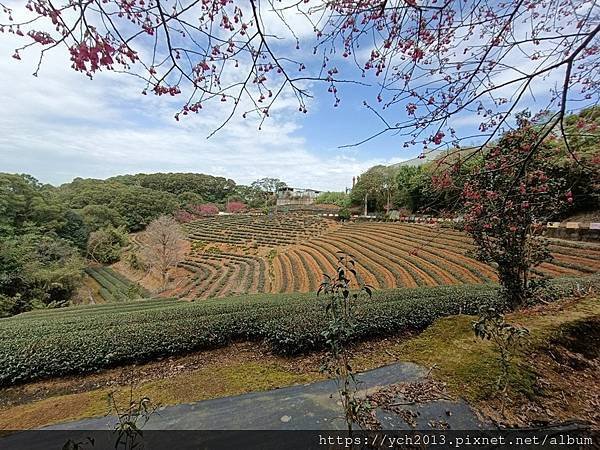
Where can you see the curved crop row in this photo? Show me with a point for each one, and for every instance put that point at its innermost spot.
(388, 255)
(114, 286)
(408, 255)
(457, 263)
(222, 274)
(264, 231)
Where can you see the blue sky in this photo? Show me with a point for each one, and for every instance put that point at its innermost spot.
(61, 125)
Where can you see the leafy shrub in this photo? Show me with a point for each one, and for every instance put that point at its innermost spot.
(134, 261)
(36, 271)
(105, 245)
(334, 198)
(344, 214)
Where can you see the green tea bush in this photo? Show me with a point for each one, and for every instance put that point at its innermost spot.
(114, 286)
(49, 343)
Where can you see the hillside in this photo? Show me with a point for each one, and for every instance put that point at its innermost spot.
(235, 255)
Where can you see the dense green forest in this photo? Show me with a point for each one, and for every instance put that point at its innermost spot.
(41, 248)
(185, 186)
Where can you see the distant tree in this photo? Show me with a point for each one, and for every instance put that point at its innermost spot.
(106, 244)
(74, 229)
(162, 247)
(371, 190)
(340, 199)
(101, 216)
(507, 201)
(269, 187)
(411, 182)
(253, 196)
(579, 163)
(269, 184)
(187, 199)
(389, 187)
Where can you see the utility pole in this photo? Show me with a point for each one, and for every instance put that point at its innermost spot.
(387, 206)
(366, 196)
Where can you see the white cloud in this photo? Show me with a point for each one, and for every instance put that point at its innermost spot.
(61, 125)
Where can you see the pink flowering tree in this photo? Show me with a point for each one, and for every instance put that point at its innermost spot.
(426, 61)
(183, 216)
(204, 210)
(235, 207)
(508, 201)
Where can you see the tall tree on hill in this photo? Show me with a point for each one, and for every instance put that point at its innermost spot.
(163, 247)
(269, 187)
(371, 189)
(507, 202)
(411, 186)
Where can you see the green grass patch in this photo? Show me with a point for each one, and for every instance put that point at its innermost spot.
(471, 367)
(234, 378)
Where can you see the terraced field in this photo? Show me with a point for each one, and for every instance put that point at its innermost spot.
(390, 255)
(222, 274)
(263, 231)
(114, 286)
(408, 255)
